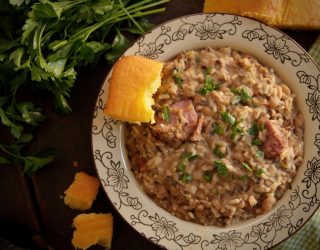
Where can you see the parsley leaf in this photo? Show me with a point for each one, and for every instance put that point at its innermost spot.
(217, 152)
(207, 176)
(246, 166)
(243, 95)
(256, 142)
(166, 114)
(208, 86)
(177, 79)
(217, 129)
(254, 129)
(259, 153)
(259, 171)
(42, 44)
(186, 178)
(221, 168)
(228, 118)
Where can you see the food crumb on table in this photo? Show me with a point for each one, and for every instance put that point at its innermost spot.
(92, 229)
(82, 192)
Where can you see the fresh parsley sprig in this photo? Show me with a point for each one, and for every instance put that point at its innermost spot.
(43, 43)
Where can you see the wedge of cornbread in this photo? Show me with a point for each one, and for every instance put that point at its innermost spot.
(264, 10)
(289, 14)
(92, 229)
(134, 80)
(82, 191)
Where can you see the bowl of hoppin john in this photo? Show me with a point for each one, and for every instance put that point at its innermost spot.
(205, 134)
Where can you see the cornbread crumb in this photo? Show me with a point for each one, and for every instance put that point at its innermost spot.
(82, 192)
(92, 229)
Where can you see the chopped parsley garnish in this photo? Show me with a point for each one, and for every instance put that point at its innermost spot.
(208, 86)
(228, 118)
(259, 153)
(235, 131)
(188, 156)
(186, 178)
(207, 176)
(231, 120)
(246, 166)
(217, 129)
(221, 168)
(198, 60)
(217, 152)
(254, 129)
(166, 114)
(244, 177)
(242, 95)
(177, 79)
(208, 70)
(182, 167)
(259, 171)
(256, 142)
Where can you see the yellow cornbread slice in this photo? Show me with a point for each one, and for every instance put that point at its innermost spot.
(301, 14)
(133, 82)
(82, 192)
(263, 10)
(92, 229)
(290, 14)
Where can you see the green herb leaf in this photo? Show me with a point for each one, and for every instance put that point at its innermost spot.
(188, 156)
(242, 95)
(120, 43)
(177, 79)
(221, 168)
(246, 166)
(244, 177)
(236, 131)
(217, 152)
(33, 163)
(208, 86)
(207, 176)
(166, 114)
(256, 142)
(254, 129)
(259, 153)
(228, 118)
(217, 129)
(182, 168)
(198, 60)
(186, 178)
(4, 160)
(259, 171)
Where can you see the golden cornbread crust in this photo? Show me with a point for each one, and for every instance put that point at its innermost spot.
(82, 192)
(133, 82)
(92, 229)
(289, 14)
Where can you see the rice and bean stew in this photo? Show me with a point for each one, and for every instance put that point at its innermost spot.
(227, 141)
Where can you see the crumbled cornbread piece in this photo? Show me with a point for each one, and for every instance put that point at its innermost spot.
(91, 229)
(82, 192)
(133, 82)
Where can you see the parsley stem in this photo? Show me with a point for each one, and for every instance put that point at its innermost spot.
(10, 153)
(130, 17)
(149, 5)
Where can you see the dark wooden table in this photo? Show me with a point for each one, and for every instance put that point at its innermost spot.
(36, 202)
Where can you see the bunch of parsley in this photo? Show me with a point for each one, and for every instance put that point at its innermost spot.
(42, 44)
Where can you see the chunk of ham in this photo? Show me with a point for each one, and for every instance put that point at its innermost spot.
(275, 142)
(181, 125)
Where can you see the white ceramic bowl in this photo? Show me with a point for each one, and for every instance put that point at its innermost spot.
(272, 48)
